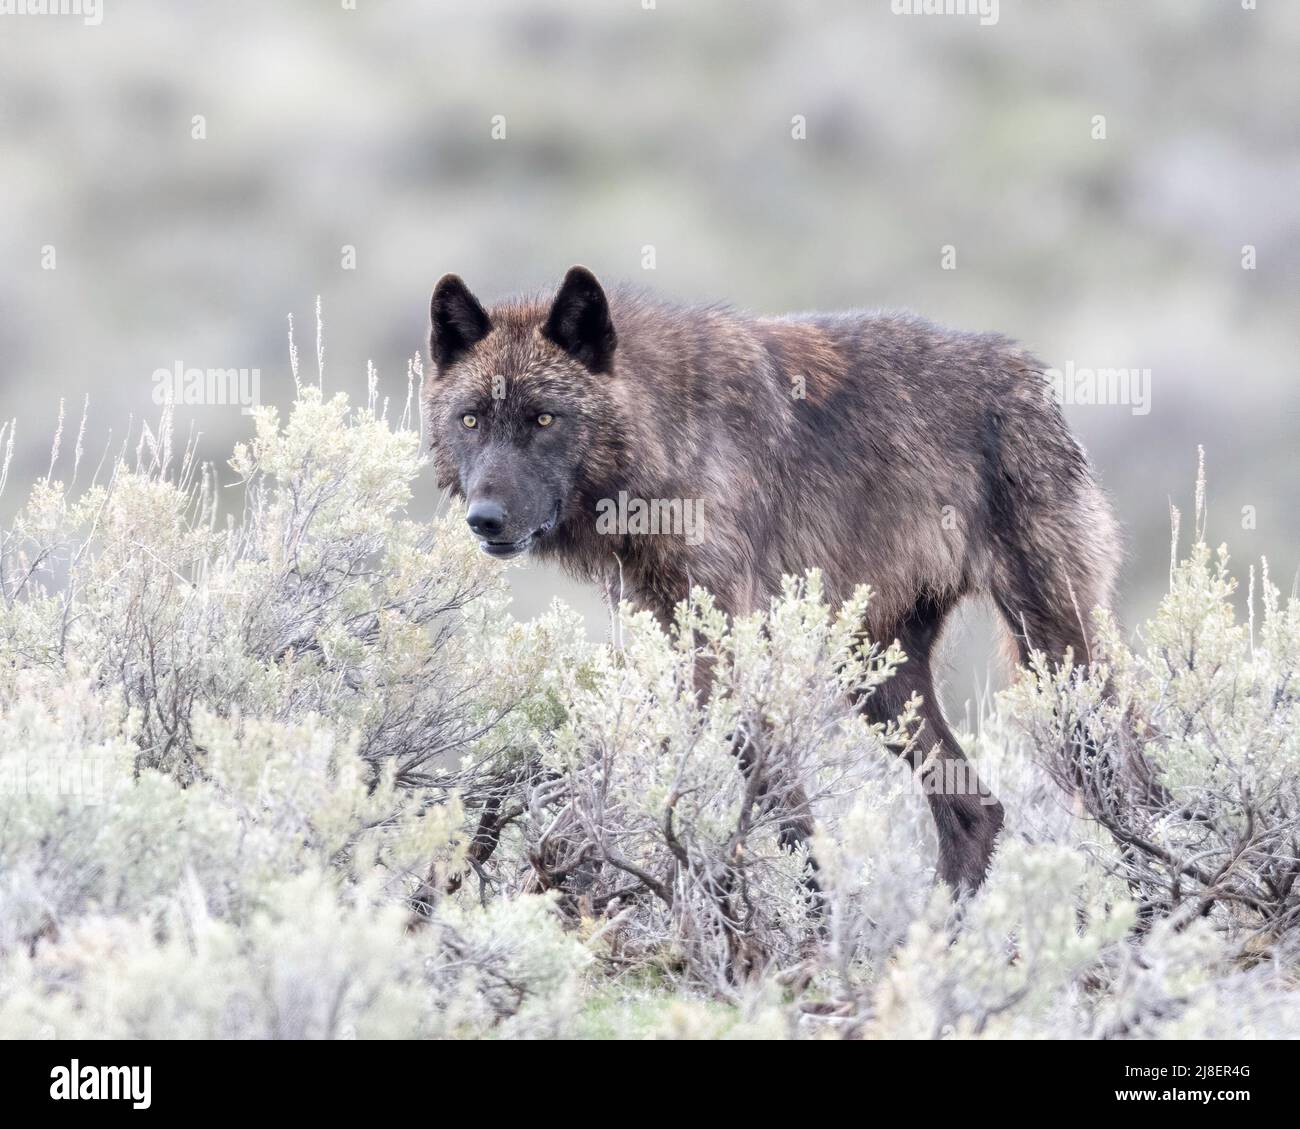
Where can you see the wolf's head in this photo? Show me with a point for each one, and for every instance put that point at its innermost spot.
(518, 409)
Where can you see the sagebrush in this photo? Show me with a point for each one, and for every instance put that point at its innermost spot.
(294, 771)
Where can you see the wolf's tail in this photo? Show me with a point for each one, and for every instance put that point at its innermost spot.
(1055, 542)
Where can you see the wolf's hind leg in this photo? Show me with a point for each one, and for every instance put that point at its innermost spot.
(966, 815)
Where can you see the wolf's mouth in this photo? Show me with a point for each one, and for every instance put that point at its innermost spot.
(504, 550)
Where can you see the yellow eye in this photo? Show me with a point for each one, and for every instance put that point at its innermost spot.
(470, 421)
(545, 419)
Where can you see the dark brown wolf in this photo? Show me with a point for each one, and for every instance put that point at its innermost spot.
(882, 449)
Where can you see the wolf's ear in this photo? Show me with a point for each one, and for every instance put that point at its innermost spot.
(579, 321)
(457, 321)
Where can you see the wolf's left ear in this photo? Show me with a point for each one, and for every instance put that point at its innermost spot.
(457, 322)
(579, 321)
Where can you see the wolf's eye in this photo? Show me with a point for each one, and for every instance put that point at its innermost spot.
(545, 419)
(469, 420)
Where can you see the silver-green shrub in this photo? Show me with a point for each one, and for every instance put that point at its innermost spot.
(231, 750)
(294, 771)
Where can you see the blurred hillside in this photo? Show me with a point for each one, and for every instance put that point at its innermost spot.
(670, 128)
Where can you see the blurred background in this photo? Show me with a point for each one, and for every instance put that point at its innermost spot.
(1116, 184)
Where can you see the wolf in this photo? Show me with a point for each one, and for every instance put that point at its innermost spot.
(881, 448)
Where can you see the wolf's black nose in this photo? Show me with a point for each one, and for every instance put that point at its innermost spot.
(487, 519)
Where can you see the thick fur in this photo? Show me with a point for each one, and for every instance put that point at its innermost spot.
(878, 447)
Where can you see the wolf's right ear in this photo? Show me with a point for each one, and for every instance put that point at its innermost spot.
(457, 321)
